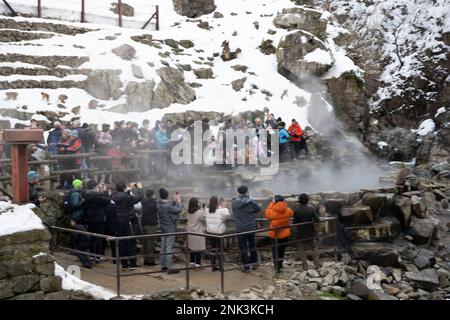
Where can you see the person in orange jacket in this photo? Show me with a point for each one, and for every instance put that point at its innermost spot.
(297, 138)
(279, 215)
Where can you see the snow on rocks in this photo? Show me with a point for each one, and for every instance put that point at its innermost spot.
(15, 218)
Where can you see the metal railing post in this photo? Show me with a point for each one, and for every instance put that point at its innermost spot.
(187, 262)
(118, 263)
(120, 12)
(222, 271)
(39, 9)
(157, 17)
(83, 8)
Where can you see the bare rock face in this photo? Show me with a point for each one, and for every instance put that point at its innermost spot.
(173, 85)
(104, 84)
(300, 55)
(140, 95)
(303, 19)
(194, 8)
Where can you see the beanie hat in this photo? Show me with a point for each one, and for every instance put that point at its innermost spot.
(32, 175)
(77, 183)
(278, 198)
(242, 189)
(163, 193)
(303, 198)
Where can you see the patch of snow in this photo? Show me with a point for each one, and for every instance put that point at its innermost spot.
(319, 56)
(382, 144)
(440, 110)
(15, 218)
(425, 127)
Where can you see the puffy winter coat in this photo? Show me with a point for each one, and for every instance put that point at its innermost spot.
(215, 222)
(77, 203)
(125, 205)
(195, 223)
(245, 210)
(54, 137)
(305, 213)
(296, 132)
(283, 136)
(279, 214)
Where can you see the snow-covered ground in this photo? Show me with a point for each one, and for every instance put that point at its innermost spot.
(15, 218)
(215, 94)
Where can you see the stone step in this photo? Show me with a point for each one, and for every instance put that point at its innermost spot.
(46, 61)
(44, 82)
(6, 70)
(7, 35)
(6, 23)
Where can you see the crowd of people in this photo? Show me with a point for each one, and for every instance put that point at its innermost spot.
(127, 138)
(129, 210)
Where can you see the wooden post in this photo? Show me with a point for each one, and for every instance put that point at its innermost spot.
(120, 12)
(157, 17)
(82, 11)
(19, 166)
(39, 9)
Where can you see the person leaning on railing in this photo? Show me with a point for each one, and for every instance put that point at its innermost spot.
(306, 234)
(279, 215)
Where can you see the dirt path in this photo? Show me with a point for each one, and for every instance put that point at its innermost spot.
(149, 284)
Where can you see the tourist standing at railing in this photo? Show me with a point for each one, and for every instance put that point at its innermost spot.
(196, 224)
(296, 134)
(34, 189)
(77, 201)
(279, 214)
(103, 145)
(54, 137)
(149, 225)
(162, 143)
(125, 201)
(71, 145)
(168, 214)
(216, 218)
(95, 204)
(245, 210)
(306, 234)
(284, 137)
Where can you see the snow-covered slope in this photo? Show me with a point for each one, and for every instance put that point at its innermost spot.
(14, 218)
(264, 87)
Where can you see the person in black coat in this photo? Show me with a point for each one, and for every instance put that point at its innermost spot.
(125, 202)
(306, 234)
(149, 225)
(81, 242)
(95, 203)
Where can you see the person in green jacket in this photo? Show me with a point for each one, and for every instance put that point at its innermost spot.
(77, 201)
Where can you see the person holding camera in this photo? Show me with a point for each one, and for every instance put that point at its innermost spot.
(279, 215)
(125, 201)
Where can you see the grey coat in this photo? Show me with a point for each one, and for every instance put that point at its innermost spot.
(245, 210)
(168, 214)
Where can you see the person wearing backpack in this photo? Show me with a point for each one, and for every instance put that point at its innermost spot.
(125, 201)
(95, 204)
(215, 218)
(77, 201)
(149, 225)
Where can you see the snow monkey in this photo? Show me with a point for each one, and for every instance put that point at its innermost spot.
(45, 96)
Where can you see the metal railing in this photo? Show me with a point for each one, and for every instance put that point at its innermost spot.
(115, 240)
(154, 16)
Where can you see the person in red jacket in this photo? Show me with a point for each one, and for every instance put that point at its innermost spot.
(297, 138)
(279, 215)
(70, 145)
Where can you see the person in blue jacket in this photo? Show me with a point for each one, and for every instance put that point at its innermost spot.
(54, 137)
(284, 138)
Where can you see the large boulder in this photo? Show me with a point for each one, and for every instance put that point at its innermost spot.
(303, 19)
(104, 84)
(357, 215)
(402, 144)
(173, 80)
(424, 258)
(402, 210)
(140, 95)
(193, 8)
(423, 230)
(425, 279)
(301, 55)
(379, 253)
